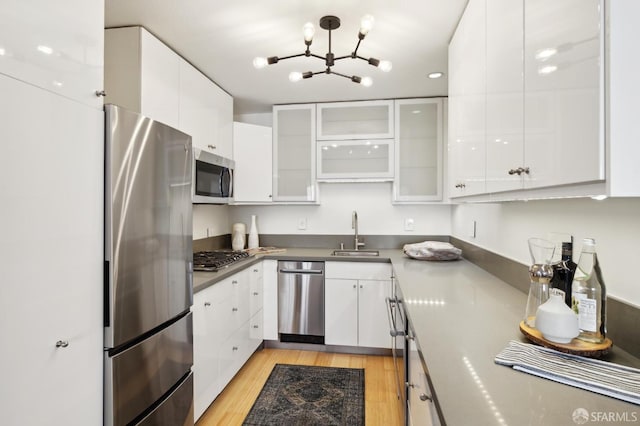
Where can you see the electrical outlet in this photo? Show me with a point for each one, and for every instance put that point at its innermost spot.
(302, 223)
(408, 224)
(472, 229)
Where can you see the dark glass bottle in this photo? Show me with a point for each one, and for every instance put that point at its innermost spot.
(563, 272)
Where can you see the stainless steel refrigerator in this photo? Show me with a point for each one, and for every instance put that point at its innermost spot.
(148, 272)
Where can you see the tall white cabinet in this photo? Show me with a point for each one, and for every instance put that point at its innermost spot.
(51, 169)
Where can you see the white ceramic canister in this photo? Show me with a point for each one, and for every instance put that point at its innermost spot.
(238, 236)
(555, 320)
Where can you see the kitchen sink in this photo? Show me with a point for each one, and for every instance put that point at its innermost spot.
(355, 253)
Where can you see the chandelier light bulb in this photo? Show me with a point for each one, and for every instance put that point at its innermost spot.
(385, 66)
(366, 81)
(308, 30)
(366, 23)
(295, 76)
(259, 62)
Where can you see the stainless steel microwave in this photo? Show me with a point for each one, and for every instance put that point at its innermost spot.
(212, 178)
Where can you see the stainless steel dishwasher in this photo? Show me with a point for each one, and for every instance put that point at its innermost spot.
(301, 302)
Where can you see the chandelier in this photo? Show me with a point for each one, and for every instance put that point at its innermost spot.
(329, 23)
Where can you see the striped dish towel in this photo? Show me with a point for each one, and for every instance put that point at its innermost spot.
(594, 375)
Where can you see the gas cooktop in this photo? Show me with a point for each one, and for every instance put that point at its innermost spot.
(213, 261)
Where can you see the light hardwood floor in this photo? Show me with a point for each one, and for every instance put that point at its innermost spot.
(233, 404)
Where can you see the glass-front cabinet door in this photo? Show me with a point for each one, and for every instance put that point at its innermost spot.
(355, 160)
(355, 120)
(418, 150)
(294, 161)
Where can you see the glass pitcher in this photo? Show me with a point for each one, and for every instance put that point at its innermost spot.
(540, 272)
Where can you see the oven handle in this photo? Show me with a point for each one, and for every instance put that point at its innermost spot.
(393, 328)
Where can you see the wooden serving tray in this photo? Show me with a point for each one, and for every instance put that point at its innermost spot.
(265, 250)
(575, 347)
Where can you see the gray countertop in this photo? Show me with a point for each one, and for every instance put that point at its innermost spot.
(463, 317)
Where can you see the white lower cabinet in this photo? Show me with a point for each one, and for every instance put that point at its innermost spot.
(421, 408)
(355, 306)
(227, 329)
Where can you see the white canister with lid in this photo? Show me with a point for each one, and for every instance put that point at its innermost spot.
(238, 236)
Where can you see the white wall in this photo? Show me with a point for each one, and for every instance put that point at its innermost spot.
(263, 119)
(614, 223)
(210, 220)
(372, 201)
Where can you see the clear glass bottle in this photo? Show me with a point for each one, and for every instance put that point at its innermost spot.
(540, 274)
(588, 295)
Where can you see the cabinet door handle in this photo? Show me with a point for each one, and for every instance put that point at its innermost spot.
(460, 185)
(211, 146)
(519, 171)
(100, 93)
(255, 326)
(235, 348)
(234, 282)
(256, 270)
(234, 309)
(425, 397)
(207, 303)
(62, 344)
(255, 293)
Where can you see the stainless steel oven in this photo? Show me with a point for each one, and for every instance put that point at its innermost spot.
(398, 328)
(212, 178)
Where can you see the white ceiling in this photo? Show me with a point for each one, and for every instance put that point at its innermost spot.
(221, 38)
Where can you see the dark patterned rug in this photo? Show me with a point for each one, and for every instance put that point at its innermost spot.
(309, 395)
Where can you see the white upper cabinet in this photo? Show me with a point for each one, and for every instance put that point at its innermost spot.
(563, 120)
(355, 160)
(467, 81)
(206, 112)
(355, 120)
(294, 155)
(142, 74)
(252, 149)
(504, 97)
(538, 124)
(418, 150)
(56, 47)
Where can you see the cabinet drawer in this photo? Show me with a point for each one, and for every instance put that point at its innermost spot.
(358, 270)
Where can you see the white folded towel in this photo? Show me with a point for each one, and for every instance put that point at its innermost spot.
(606, 378)
(432, 250)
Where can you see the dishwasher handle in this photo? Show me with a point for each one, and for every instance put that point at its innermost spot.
(302, 271)
(392, 321)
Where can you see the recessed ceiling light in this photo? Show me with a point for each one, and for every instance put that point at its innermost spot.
(435, 74)
(2, 51)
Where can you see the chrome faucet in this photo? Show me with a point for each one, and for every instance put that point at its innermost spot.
(354, 225)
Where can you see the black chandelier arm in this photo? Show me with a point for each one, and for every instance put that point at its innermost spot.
(355, 51)
(342, 57)
(317, 56)
(289, 57)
